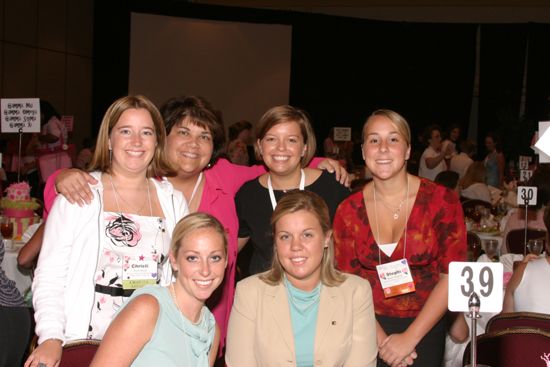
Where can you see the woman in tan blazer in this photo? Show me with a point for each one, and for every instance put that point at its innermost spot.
(302, 312)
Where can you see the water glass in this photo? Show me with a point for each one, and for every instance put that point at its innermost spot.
(491, 248)
(535, 246)
(6, 228)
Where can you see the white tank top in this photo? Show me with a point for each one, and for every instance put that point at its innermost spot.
(532, 293)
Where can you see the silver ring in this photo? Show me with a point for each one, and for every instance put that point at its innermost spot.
(40, 364)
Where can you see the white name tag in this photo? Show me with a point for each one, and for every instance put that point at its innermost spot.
(139, 273)
(485, 278)
(395, 278)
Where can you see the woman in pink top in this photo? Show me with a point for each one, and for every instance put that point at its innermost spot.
(195, 141)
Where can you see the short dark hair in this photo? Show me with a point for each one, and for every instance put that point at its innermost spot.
(200, 112)
(235, 129)
(449, 179)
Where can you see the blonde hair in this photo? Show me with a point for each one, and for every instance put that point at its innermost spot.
(399, 121)
(290, 203)
(101, 160)
(281, 114)
(191, 223)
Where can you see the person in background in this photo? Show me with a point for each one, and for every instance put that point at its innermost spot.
(302, 312)
(460, 162)
(432, 160)
(472, 185)
(195, 143)
(240, 134)
(405, 223)
(525, 290)
(452, 140)
(449, 179)
(494, 161)
(85, 155)
(171, 326)
(15, 319)
(85, 271)
(286, 143)
(54, 133)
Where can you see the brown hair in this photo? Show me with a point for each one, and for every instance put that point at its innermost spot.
(474, 174)
(281, 114)
(199, 112)
(290, 203)
(101, 160)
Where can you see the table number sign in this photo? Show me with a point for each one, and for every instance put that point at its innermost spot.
(527, 195)
(486, 279)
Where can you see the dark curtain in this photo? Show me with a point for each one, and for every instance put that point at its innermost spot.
(501, 76)
(343, 69)
(538, 74)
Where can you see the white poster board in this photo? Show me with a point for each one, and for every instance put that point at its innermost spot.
(542, 146)
(342, 134)
(20, 113)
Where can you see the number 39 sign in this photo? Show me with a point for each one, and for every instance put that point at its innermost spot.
(483, 278)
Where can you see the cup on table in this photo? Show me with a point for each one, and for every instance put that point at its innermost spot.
(6, 228)
(491, 248)
(535, 246)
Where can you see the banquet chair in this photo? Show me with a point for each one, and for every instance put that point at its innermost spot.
(79, 353)
(515, 239)
(518, 319)
(512, 347)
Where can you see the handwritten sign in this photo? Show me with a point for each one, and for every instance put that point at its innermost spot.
(525, 175)
(20, 113)
(486, 279)
(342, 133)
(527, 195)
(524, 162)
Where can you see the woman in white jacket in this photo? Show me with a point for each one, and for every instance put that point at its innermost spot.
(93, 257)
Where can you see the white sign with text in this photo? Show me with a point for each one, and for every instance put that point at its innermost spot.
(20, 115)
(527, 195)
(484, 278)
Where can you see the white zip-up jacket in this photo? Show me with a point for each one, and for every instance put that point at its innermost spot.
(63, 286)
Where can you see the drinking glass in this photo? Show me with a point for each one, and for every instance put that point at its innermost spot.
(491, 250)
(6, 228)
(535, 246)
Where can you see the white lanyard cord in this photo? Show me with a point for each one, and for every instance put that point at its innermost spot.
(199, 179)
(406, 220)
(272, 194)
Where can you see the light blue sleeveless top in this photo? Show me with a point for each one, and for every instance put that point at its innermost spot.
(176, 341)
(304, 307)
(491, 170)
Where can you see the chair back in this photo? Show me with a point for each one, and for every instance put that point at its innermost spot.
(518, 319)
(512, 347)
(515, 239)
(79, 353)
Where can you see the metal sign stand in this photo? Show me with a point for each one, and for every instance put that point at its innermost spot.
(19, 156)
(473, 305)
(525, 231)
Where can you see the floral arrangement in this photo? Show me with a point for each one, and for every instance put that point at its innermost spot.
(18, 197)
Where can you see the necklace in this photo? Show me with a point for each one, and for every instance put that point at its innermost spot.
(175, 299)
(138, 212)
(396, 209)
(406, 221)
(301, 187)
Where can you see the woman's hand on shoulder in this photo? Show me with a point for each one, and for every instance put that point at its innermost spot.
(73, 184)
(47, 354)
(333, 166)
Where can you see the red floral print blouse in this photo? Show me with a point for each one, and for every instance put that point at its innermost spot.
(436, 236)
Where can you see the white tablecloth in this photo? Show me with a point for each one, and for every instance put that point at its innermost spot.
(22, 277)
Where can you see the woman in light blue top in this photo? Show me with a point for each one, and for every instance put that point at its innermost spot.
(171, 326)
(302, 312)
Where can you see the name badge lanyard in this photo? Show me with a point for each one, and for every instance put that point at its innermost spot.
(406, 221)
(272, 194)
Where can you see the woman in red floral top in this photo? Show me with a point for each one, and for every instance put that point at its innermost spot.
(399, 217)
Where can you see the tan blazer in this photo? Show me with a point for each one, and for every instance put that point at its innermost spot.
(260, 331)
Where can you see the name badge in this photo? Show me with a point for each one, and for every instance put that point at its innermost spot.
(395, 278)
(139, 273)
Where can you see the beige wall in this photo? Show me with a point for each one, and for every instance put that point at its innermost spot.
(46, 52)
